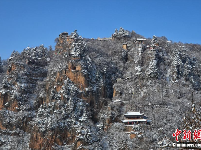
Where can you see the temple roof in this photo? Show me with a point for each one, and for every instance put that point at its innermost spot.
(135, 120)
(133, 114)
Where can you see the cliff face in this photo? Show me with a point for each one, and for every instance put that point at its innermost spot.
(18, 93)
(73, 92)
(76, 96)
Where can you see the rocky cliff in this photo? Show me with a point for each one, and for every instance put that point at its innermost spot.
(75, 97)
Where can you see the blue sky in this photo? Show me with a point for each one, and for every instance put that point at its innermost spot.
(34, 22)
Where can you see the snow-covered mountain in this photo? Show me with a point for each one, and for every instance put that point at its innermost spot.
(75, 97)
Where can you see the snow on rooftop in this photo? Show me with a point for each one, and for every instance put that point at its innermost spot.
(134, 120)
(133, 114)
